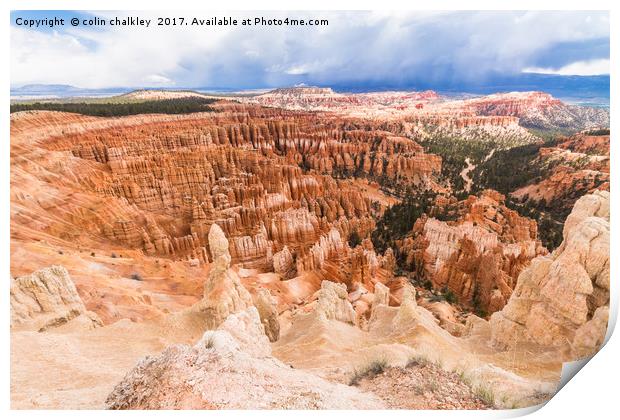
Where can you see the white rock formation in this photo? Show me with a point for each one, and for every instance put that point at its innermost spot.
(381, 297)
(333, 303)
(268, 312)
(230, 368)
(46, 299)
(223, 292)
(408, 311)
(562, 300)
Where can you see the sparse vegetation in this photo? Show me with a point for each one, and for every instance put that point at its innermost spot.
(450, 296)
(210, 342)
(454, 150)
(514, 163)
(417, 360)
(376, 367)
(486, 394)
(599, 132)
(476, 304)
(510, 169)
(354, 239)
(481, 391)
(549, 218)
(398, 220)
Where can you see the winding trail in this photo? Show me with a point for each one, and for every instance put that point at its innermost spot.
(470, 167)
(465, 174)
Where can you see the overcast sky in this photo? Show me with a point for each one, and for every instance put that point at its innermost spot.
(357, 48)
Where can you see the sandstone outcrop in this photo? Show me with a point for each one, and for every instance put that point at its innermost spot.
(230, 368)
(561, 300)
(47, 299)
(576, 166)
(332, 303)
(479, 256)
(381, 295)
(590, 336)
(223, 292)
(283, 263)
(408, 309)
(264, 303)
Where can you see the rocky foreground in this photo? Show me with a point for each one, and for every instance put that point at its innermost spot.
(233, 364)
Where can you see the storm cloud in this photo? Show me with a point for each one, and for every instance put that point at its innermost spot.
(355, 49)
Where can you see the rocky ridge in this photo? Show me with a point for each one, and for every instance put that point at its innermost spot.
(562, 299)
(479, 255)
(529, 109)
(48, 299)
(578, 165)
(230, 368)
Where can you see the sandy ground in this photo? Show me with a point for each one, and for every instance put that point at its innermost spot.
(73, 368)
(335, 350)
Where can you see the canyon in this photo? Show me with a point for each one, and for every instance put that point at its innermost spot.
(193, 254)
(578, 164)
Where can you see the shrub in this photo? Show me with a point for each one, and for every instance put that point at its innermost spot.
(137, 276)
(354, 239)
(374, 368)
(450, 296)
(599, 132)
(417, 361)
(485, 394)
(210, 342)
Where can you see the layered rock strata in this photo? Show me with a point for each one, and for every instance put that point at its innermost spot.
(48, 299)
(268, 178)
(479, 256)
(561, 300)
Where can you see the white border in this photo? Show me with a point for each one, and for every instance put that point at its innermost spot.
(592, 394)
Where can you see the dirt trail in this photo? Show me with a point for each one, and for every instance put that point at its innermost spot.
(465, 174)
(470, 167)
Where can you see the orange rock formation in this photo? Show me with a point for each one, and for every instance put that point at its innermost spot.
(479, 256)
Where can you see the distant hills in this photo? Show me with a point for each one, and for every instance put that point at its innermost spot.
(578, 90)
(62, 91)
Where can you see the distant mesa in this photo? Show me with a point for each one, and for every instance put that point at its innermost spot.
(303, 90)
(162, 94)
